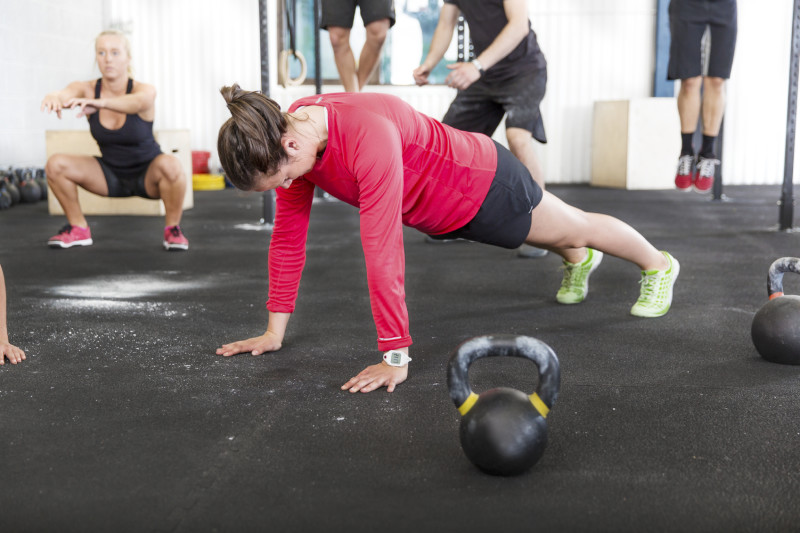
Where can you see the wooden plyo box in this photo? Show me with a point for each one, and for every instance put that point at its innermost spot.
(80, 142)
(635, 143)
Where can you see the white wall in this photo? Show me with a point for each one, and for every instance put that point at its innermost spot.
(758, 91)
(44, 45)
(596, 50)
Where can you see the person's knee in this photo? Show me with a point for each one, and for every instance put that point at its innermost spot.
(690, 85)
(169, 169)
(519, 140)
(56, 167)
(714, 84)
(340, 38)
(377, 31)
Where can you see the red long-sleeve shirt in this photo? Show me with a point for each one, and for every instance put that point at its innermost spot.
(398, 166)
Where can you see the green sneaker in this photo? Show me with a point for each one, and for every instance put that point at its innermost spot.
(656, 295)
(575, 285)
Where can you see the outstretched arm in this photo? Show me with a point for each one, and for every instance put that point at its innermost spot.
(448, 17)
(465, 74)
(56, 100)
(286, 260)
(140, 101)
(7, 350)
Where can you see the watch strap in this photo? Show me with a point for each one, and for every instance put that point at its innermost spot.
(396, 358)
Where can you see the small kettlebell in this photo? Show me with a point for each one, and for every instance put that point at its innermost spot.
(503, 431)
(776, 326)
(29, 188)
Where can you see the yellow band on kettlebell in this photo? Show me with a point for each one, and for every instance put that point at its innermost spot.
(539, 405)
(468, 403)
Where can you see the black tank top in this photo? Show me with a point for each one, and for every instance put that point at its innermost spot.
(131, 145)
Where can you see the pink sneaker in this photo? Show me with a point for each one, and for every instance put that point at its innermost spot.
(174, 239)
(70, 236)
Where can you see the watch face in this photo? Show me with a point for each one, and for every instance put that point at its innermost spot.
(395, 358)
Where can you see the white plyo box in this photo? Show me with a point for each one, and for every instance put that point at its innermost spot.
(635, 143)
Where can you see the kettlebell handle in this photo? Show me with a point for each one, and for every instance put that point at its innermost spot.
(775, 275)
(504, 345)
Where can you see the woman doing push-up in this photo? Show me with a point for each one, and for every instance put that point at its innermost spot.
(401, 167)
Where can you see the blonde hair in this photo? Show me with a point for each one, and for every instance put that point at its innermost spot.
(125, 42)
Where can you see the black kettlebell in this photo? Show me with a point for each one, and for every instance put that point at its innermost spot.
(5, 196)
(29, 189)
(41, 179)
(12, 189)
(503, 431)
(776, 326)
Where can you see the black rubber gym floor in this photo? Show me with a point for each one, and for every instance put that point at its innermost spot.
(124, 419)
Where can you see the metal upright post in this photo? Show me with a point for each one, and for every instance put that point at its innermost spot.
(661, 85)
(786, 210)
(461, 54)
(318, 193)
(716, 190)
(317, 61)
(268, 197)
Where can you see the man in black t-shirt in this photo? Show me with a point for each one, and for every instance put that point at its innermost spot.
(507, 77)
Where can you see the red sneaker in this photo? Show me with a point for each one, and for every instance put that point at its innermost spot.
(706, 168)
(174, 239)
(684, 178)
(70, 236)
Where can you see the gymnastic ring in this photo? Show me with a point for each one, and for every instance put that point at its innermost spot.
(283, 68)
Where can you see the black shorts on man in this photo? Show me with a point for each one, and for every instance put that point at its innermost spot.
(340, 13)
(688, 20)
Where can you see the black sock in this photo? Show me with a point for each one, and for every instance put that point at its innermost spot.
(686, 144)
(708, 151)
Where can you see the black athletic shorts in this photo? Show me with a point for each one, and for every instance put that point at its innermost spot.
(341, 12)
(688, 20)
(504, 218)
(125, 182)
(481, 106)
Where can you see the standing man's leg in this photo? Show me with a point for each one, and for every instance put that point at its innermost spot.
(520, 142)
(337, 18)
(713, 109)
(685, 64)
(521, 101)
(689, 110)
(720, 61)
(713, 105)
(343, 55)
(371, 52)
(378, 17)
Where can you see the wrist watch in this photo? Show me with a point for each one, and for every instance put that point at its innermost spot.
(396, 358)
(477, 65)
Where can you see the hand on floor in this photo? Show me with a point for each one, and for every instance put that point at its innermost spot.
(14, 354)
(375, 376)
(268, 342)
